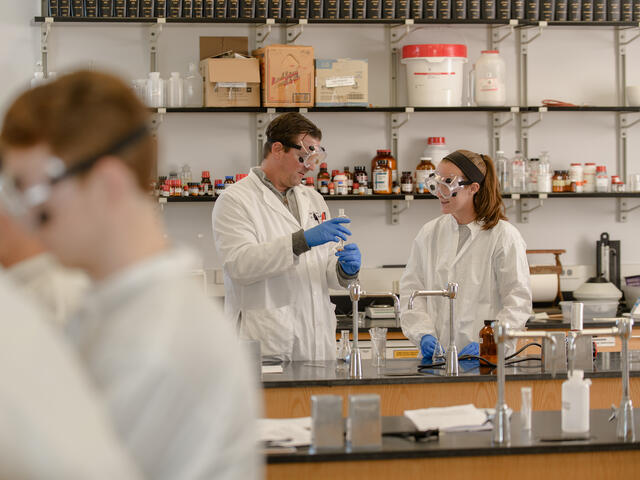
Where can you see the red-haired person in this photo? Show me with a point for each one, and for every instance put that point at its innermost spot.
(471, 244)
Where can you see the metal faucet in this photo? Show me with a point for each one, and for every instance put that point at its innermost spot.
(451, 292)
(624, 413)
(356, 293)
(501, 430)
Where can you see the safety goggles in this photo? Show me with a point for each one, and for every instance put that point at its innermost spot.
(19, 201)
(309, 156)
(445, 187)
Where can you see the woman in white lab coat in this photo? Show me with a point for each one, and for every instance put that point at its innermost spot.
(473, 245)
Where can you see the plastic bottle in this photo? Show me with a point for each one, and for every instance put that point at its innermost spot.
(504, 171)
(575, 403)
(38, 76)
(340, 181)
(544, 173)
(589, 177)
(341, 214)
(175, 98)
(436, 149)
(490, 80)
(193, 87)
(518, 173)
(155, 90)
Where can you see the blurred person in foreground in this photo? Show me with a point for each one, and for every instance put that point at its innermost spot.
(177, 384)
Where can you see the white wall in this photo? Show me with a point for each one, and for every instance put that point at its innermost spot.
(571, 64)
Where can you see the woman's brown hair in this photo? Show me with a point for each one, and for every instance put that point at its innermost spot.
(488, 200)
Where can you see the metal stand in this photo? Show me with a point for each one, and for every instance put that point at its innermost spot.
(624, 413)
(501, 430)
(452, 351)
(356, 293)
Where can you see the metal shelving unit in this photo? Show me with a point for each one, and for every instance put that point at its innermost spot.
(525, 33)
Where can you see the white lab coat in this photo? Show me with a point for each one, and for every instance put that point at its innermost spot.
(52, 423)
(282, 299)
(58, 289)
(492, 273)
(174, 377)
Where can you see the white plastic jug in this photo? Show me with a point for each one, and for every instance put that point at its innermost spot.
(175, 94)
(436, 149)
(575, 403)
(488, 77)
(435, 74)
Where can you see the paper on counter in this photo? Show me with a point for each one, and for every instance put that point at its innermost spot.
(272, 369)
(459, 418)
(285, 432)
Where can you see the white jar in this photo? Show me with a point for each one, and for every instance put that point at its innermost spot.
(544, 183)
(589, 174)
(436, 149)
(341, 186)
(490, 80)
(576, 173)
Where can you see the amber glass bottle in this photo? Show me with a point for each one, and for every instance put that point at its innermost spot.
(488, 347)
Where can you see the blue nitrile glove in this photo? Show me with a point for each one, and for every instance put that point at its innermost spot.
(472, 349)
(428, 345)
(329, 231)
(350, 259)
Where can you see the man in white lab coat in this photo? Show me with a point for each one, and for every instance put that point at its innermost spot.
(174, 377)
(278, 247)
(57, 289)
(54, 425)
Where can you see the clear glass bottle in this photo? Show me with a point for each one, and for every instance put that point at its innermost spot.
(532, 175)
(344, 350)
(518, 173)
(504, 171)
(341, 214)
(193, 87)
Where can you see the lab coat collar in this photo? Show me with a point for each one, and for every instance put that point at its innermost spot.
(30, 268)
(274, 202)
(113, 291)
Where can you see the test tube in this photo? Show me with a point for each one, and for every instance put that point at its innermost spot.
(342, 215)
(525, 408)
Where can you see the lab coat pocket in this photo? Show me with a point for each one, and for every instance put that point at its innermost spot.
(273, 327)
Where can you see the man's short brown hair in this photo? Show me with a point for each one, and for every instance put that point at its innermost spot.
(286, 128)
(79, 116)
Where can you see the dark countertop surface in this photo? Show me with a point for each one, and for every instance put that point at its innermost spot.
(545, 425)
(396, 371)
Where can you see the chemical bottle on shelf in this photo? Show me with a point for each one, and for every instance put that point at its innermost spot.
(175, 91)
(544, 173)
(382, 178)
(489, 80)
(193, 87)
(532, 174)
(488, 347)
(350, 178)
(503, 169)
(361, 176)
(423, 170)
(340, 181)
(391, 162)
(323, 179)
(38, 76)
(602, 179)
(575, 403)
(436, 149)
(155, 90)
(518, 173)
(207, 188)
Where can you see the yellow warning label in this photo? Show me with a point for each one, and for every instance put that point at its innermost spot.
(405, 354)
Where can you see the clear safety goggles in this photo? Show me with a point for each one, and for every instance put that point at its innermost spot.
(20, 201)
(309, 155)
(445, 187)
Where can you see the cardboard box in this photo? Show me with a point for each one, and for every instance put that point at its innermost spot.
(231, 82)
(287, 75)
(342, 83)
(216, 46)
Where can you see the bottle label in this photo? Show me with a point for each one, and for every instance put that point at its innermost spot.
(381, 182)
(407, 187)
(422, 175)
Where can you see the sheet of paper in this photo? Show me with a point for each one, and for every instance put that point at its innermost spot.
(272, 369)
(285, 432)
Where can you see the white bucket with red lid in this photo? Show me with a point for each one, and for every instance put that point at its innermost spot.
(434, 74)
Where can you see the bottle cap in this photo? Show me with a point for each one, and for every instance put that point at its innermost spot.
(576, 375)
(576, 164)
(601, 168)
(487, 323)
(435, 141)
(323, 165)
(228, 177)
(206, 174)
(379, 152)
(219, 181)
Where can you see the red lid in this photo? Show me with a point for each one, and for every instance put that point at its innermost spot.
(589, 163)
(219, 180)
(356, 185)
(615, 178)
(601, 168)
(434, 50)
(383, 151)
(308, 180)
(576, 164)
(165, 188)
(206, 174)
(489, 51)
(323, 165)
(435, 140)
(334, 172)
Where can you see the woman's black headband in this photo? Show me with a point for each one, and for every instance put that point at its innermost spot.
(469, 168)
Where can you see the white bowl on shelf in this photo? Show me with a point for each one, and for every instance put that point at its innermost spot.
(633, 95)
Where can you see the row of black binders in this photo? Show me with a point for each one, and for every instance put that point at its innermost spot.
(530, 10)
